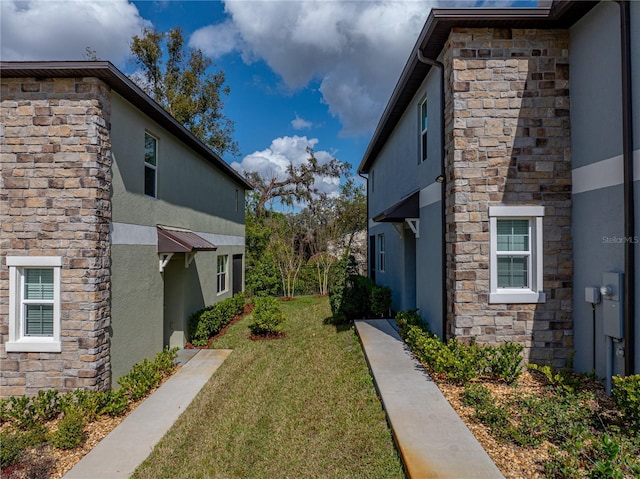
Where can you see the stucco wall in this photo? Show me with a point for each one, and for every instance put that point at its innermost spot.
(149, 307)
(596, 120)
(410, 261)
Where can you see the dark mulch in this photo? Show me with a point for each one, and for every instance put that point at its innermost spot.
(268, 336)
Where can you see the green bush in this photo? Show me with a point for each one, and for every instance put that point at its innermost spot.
(21, 411)
(404, 319)
(267, 316)
(70, 431)
(505, 362)
(357, 297)
(143, 377)
(13, 446)
(208, 321)
(626, 391)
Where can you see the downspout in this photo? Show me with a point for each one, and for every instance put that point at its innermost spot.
(628, 190)
(443, 218)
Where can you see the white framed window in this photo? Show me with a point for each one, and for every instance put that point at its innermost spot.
(516, 254)
(222, 274)
(34, 304)
(381, 252)
(424, 123)
(150, 165)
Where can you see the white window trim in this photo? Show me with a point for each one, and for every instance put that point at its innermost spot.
(17, 342)
(226, 274)
(153, 167)
(535, 293)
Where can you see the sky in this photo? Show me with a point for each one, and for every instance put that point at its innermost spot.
(314, 73)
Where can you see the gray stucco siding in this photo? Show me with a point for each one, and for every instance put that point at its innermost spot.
(429, 268)
(594, 75)
(191, 192)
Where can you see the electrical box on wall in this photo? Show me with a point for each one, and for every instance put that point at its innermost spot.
(612, 319)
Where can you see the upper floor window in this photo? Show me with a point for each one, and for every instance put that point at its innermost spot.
(516, 254)
(381, 252)
(34, 304)
(150, 165)
(424, 121)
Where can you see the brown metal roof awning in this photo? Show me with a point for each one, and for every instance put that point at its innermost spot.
(181, 241)
(398, 213)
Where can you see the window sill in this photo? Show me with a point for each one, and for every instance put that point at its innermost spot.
(33, 346)
(516, 297)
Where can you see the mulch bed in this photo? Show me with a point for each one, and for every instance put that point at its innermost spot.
(268, 336)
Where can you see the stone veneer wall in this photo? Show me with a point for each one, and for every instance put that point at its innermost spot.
(55, 200)
(508, 143)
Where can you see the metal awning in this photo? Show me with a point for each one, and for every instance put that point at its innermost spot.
(398, 213)
(181, 241)
(171, 241)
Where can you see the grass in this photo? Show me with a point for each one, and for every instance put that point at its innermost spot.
(302, 406)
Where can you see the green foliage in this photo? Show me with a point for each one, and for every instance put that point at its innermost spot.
(184, 87)
(267, 316)
(404, 319)
(21, 411)
(505, 362)
(561, 378)
(70, 431)
(358, 297)
(13, 446)
(208, 321)
(143, 377)
(626, 391)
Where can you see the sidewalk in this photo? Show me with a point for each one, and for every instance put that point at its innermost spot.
(431, 438)
(119, 454)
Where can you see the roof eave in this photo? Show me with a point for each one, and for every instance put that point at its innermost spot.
(561, 14)
(118, 81)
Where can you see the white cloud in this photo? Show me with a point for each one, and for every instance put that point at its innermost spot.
(355, 49)
(62, 30)
(300, 123)
(216, 40)
(272, 162)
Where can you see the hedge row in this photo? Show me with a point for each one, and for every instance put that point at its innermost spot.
(208, 321)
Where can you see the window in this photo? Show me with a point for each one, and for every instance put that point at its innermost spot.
(516, 254)
(381, 252)
(34, 304)
(150, 164)
(222, 274)
(424, 120)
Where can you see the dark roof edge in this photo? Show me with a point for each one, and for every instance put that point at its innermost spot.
(560, 14)
(106, 71)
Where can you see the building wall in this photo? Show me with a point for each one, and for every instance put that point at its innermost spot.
(55, 201)
(508, 143)
(149, 307)
(596, 121)
(411, 262)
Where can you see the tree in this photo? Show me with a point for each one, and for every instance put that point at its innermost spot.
(299, 184)
(183, 87)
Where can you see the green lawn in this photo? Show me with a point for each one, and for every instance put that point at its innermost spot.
(299, 407)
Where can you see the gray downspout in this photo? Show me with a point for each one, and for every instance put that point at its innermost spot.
(628, 190)
(443, 196)
(366, 178)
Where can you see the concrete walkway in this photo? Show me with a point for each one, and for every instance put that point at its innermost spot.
(123, 450)
(431, 438)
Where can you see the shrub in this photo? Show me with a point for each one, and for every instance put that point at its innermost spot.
(143, 377)
(21, 411)
(357, 297)
(267, 317)
(70, 432)
(626, 391)
(165, 360)
(505, 362)
(13, 447)
(404, 319)
(208, 321)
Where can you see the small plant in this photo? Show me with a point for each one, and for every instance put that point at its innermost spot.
(116, 403)
(404, 319)
(505, 362)
(267, 317)
(626, 391)
(164, 360)
(13, 446)
(143, 377)
(561, 378)
(21, 411)
(70, 432)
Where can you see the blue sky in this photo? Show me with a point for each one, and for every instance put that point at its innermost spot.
(302, 73)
